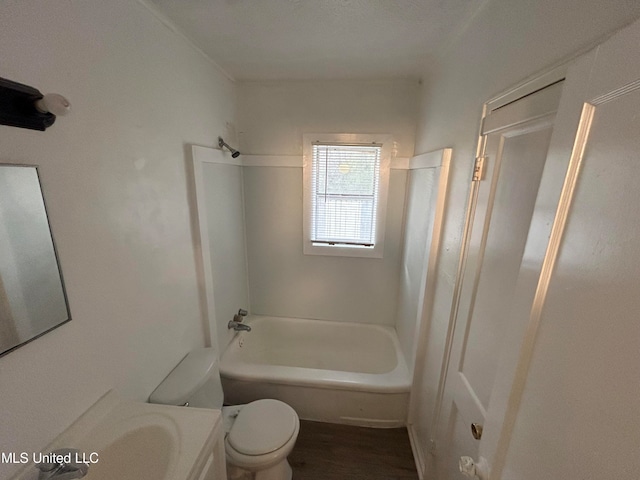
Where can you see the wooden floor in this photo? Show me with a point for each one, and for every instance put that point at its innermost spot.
(325, 451)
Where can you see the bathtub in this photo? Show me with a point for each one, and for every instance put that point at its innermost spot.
(336, 372)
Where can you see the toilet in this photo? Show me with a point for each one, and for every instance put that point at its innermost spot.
(258, 436)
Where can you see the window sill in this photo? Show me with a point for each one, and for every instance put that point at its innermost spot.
(343, 251)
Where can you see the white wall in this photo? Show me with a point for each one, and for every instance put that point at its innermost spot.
(272, 117)
(284, 282)
(115, 178)
(225, 223)
(504, 43)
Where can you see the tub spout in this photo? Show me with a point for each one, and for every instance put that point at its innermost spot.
(237, 326)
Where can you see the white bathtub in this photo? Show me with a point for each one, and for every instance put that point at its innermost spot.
(327, 371)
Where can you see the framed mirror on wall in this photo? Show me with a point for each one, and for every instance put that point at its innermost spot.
(33, 300)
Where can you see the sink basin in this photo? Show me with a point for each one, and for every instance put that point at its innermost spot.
(139, 441)
(148, 451)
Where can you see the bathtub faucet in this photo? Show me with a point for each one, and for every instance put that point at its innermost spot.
(237, 324)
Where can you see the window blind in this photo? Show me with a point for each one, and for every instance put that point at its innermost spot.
(344, 184)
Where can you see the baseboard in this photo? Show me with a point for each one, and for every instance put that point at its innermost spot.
(417, 449)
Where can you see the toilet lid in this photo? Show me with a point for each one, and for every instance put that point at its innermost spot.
(262, 427)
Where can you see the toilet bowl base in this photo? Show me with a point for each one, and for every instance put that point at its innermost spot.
(279, 471)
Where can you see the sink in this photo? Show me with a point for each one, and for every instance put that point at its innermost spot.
(148, 451)
(128, 440)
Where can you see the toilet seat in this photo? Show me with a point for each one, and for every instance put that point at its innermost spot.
(262, 427)
(256, 463)
(255, 428)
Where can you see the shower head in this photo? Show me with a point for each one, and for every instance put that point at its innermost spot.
(234, 153)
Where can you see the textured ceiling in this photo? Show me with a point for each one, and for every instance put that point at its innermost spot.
(320, 39)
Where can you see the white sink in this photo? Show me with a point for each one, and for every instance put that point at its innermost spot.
(140, 441)
(147, 450)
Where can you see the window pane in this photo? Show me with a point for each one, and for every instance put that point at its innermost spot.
(345, 191)
(344, 219)
(350, 171)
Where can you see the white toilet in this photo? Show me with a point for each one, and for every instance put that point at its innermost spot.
(258, 436)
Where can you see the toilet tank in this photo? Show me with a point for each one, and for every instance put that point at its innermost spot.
(194, 381)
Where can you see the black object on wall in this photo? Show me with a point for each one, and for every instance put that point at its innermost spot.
(18, 106)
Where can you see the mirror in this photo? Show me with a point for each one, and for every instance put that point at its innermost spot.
(32, 296)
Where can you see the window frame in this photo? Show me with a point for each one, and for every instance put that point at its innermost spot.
(386, 143)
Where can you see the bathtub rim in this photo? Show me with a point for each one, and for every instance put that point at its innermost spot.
(398, 380)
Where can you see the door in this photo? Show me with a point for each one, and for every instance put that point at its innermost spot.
(516, 142)
(572, 411)
(544, 353)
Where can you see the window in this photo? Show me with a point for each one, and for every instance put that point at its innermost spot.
(346, 180)
(344, 185)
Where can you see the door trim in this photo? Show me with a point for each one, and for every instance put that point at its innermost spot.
(540, 81)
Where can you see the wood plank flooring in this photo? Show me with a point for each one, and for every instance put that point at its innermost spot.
(325, 451)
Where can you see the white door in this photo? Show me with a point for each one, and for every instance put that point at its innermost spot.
(517, 138)
(572, 411)
(545, 350)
